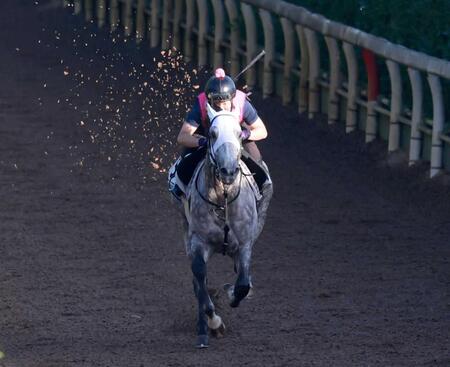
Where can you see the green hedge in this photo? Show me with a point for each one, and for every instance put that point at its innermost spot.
(422, 25)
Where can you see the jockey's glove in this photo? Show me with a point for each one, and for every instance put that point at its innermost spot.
(202, 142)
(245, 134)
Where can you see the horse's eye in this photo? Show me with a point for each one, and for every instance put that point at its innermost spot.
(213, 133)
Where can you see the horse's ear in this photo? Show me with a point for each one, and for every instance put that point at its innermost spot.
(211, 112)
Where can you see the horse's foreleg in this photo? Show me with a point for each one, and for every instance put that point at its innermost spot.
(242, 285)
(207, 318)
(198, 267)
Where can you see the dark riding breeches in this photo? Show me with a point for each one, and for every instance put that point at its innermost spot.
(191, 158)
(253, 151)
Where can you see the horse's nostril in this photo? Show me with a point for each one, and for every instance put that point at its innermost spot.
(224, 171)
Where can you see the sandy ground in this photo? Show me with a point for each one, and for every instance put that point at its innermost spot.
(352, 268)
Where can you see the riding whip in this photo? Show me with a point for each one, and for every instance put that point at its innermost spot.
(257, 57)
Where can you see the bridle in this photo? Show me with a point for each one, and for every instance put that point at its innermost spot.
(213, 161)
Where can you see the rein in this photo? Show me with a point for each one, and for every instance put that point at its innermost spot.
(226, 228)
(221, 207)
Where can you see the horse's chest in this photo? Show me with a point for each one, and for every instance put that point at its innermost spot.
(216, 238)
(218, 214)
(214, 231)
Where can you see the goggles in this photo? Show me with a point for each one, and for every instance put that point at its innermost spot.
(220, 97)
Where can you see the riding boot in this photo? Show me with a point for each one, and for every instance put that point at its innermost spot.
(252, 150)
(260, 172)
(172, 181)
(182, 170)
(189, 163)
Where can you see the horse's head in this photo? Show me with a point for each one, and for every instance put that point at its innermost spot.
(225, 143)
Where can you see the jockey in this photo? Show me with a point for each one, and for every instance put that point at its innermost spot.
(220, 92)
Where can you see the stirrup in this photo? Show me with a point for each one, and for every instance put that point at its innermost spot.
(176, 192)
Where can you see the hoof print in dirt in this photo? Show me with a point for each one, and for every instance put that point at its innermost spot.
(229, 288)
(219, 332)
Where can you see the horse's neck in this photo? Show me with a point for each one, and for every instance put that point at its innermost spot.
(214, 189)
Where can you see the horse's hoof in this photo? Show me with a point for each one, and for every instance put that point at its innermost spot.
(234, 303)
(219, 332)
(239, 293)
(202, 342)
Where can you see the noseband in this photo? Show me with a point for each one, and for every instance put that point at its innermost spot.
(213, 162)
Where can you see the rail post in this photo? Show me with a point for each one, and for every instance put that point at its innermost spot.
(352, 81)
(415, 144)
(396, 106)
(438, 125)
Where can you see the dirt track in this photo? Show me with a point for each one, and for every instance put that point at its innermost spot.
(352, 269)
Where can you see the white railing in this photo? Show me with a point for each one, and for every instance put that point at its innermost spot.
(295, 73)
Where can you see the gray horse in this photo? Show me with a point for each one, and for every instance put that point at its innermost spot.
(224, 213)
